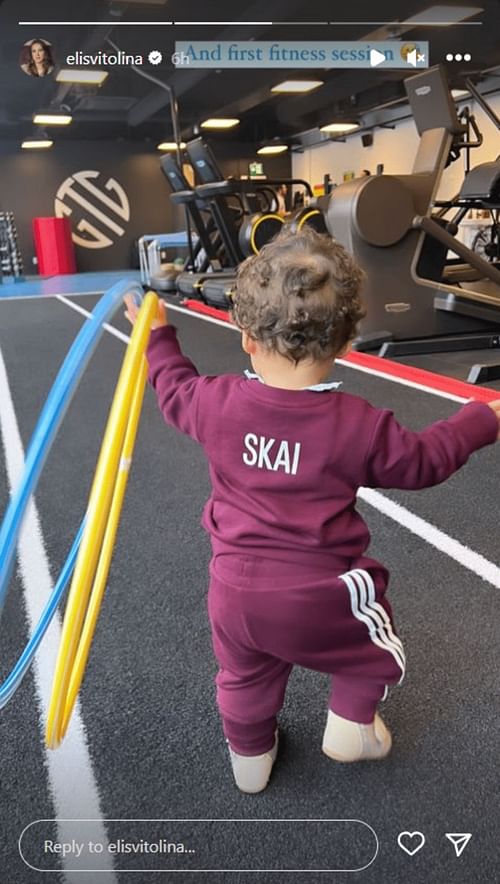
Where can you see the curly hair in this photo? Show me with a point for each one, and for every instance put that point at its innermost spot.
(300, 296)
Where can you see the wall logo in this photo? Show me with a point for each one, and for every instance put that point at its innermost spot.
(101, 209)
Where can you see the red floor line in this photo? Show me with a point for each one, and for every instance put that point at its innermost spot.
(442, 383)
(200, 307)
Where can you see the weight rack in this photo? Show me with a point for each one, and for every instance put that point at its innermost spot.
(11, 262)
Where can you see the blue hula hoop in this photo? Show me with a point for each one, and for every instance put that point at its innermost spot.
(14, 679)
(45, 432)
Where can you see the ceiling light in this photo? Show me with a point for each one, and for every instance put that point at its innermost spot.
(340, 128)
(32, 144)
(219, 123)
(444, 15)
(171, 145)
(297, 86)
(93, 78)
(270, 149)
(52, 119)
(460, 93)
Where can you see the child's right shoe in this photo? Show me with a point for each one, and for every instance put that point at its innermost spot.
(345, 740)
(252, 772)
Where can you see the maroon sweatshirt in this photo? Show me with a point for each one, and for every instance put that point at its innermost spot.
(285, 465)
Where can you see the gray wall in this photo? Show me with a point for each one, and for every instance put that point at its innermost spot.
(29, 181)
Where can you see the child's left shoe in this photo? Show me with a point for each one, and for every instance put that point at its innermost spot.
(346, 740)
(252, 772)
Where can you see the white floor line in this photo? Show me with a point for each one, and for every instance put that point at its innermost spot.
(203, 317)
(434, 536)
(109, 328)
(465, 556)
(386, 376)
(72, 783)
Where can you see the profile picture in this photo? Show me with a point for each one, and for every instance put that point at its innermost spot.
(37, 59)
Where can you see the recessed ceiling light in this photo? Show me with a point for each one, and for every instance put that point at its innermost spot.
(297, 86)
(270, 149)
(67, 75)
(445, 15)
(219, 123)
(171, 145)
(32, 144)
(52, 119)
(340, 128)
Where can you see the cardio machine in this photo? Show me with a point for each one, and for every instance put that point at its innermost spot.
(244, 215)
(414, 302)
(207, 253)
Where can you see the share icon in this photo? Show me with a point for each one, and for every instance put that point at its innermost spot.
(459, 840)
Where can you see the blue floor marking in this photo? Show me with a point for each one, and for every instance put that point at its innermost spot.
(67, 284)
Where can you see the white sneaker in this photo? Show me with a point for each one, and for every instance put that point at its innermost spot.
(345, 740)
(252, 772)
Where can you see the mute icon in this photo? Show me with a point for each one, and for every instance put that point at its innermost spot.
(411, 58)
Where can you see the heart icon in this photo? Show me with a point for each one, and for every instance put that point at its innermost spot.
(411, 842)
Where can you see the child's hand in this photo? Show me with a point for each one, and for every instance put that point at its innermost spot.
(132, 310)
(495, 406)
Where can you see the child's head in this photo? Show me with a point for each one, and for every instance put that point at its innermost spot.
(299, 297)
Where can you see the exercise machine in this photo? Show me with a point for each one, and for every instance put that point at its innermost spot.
(207, 252)
(387, 223)
(243, 213)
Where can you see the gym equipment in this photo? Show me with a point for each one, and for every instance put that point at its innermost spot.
(211, 257)
(11, 262)
(243, 211)
(258, 229)
(220, 226)
(308, 216)
(207, 252)
(256, 198)
(54, 247)
(487, 241)
(154, 273)
(217, 292)
(43, 437)
(386, 222)
(104, 507)
(217, 289)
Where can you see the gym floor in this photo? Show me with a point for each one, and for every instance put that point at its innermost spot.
(145, 741)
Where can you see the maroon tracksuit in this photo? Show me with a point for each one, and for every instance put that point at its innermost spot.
(290, 582)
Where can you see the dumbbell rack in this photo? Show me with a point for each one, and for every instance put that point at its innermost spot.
(11, 262)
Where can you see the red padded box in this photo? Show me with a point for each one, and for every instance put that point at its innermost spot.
(54, 246)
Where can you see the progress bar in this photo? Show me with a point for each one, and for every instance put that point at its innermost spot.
(225, 23)
(406, 24)
(115, 24)
(107, 23)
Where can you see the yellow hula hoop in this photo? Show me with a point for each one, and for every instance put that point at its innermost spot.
(103, 513)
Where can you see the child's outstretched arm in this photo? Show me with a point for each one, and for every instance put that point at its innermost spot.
(495, 407)
(132, 312)
(174, 377)
(400, 458)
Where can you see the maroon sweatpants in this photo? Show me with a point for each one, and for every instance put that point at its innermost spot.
(267, 616)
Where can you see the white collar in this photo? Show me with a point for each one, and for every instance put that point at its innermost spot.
(316, 388)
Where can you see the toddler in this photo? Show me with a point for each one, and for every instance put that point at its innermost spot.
(290, 581)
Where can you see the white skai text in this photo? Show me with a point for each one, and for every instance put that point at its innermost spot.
(271, 454)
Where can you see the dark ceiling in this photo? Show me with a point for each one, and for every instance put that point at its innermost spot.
(127, 106)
